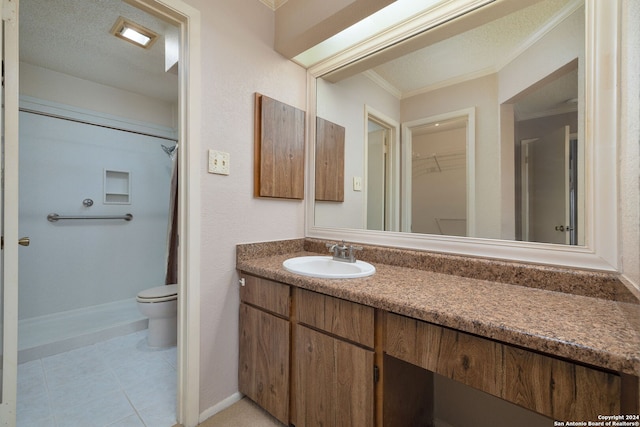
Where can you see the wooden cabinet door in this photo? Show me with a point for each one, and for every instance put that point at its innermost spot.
(333, 380)
(329, 161)
(278, 149)
(264, 360)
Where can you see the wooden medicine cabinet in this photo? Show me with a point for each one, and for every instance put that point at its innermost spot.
(329, 161)
(278, 149)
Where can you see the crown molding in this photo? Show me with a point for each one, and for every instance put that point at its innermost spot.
(273, 4)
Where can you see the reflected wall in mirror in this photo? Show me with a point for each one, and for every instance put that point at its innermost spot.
(512, 165)
(437, 199)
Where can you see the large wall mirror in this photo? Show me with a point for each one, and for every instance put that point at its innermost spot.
(478, 134)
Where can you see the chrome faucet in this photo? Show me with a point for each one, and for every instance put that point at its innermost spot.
(342, 252)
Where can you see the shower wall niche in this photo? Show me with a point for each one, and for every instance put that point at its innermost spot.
(117, 187)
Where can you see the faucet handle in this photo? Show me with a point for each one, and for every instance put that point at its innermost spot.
(342, 245)
(355, 248)
(334, 249)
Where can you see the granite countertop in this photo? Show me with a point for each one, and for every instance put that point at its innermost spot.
(594, 331)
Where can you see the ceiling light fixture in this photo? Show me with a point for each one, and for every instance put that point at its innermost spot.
(134, 33)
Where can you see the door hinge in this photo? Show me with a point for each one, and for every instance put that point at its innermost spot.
(376, 374)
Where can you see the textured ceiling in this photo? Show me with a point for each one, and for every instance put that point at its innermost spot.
(72, 37)
(482, 48)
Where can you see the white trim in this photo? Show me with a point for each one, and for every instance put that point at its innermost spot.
(450, 82)
(392, 178)
(524, 172)
(429, 19)
(601, 138)
(383, 83)
(187, 19)
(220, 406)
(273, 4)
(310, 141)
(407, 149)
(538, 253)
(9, 204)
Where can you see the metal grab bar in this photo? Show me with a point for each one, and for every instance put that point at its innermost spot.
(53, 217)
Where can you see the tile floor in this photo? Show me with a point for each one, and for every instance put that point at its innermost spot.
(117, 383)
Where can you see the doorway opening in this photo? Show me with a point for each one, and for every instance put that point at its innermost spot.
(549, 158)
(549, 188)
(180, 15)
(438, 177)
(187, 20)
(382, 192)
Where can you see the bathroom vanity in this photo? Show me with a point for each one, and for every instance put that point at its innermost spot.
(563, 343)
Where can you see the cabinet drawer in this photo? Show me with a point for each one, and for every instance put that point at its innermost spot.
(556, 388)
(339, 317)
(266, 294)
(473, 361)
(561, 389)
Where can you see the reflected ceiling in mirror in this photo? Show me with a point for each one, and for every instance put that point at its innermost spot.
(515, 82)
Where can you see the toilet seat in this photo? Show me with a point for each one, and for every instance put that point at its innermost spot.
(158, 294)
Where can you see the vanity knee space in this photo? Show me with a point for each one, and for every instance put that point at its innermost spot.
(554, 387)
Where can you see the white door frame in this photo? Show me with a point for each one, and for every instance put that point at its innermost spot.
(392, 170)
(187, 19)
(407, 147)
(524, 186)
(9, 204)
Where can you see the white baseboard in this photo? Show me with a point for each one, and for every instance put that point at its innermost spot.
(220, 406)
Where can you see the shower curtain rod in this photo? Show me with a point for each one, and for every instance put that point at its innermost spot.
(57, 116)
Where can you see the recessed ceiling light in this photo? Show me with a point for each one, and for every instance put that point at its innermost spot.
(134, 33)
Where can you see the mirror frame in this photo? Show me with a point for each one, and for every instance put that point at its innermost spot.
(602, 28)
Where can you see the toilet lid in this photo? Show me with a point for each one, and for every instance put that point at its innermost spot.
(159, 293)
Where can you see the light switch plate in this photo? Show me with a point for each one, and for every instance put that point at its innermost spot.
(357, 183)
(219, 162)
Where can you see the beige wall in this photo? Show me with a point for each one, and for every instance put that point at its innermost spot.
(52, 86)
(482, 94)
(344, 103)
(302, 24)
(237, 60)
(439, 197)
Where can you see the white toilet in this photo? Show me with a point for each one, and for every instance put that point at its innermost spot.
(160, 305)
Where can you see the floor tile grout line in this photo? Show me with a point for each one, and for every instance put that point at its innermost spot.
(135, 411)
(45, 369)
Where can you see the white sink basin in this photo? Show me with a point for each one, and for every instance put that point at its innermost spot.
(328, 268)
